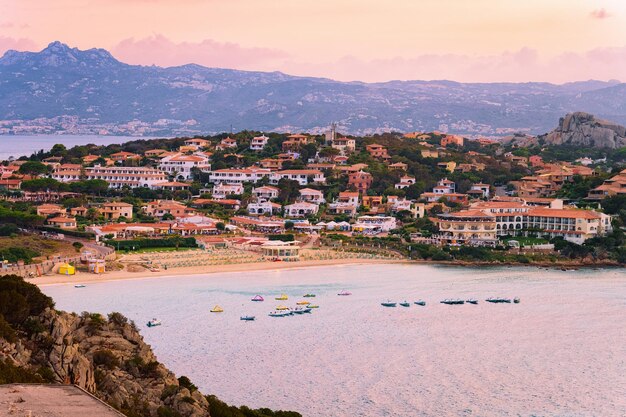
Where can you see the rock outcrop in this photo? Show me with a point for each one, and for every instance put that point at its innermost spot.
(583, 129)
(107, 358)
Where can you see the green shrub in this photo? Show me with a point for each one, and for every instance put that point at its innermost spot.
(6, 331)
(164, 411)
(287, 237)
(20, 299)
(11, 374)
(15, 254)
(8, 229)
(106, 358)
(169, 391)
(185, 382)
(118, 318)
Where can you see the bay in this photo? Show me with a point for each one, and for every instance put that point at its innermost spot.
(560, 352)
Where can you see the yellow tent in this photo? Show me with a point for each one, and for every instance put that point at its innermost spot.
(67, 269)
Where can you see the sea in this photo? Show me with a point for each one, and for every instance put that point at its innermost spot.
(17, 145)
(560, 352)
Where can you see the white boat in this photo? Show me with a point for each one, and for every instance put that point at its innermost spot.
(280, 313)
(344, 292)
(247, 318)
(79, 286)
(301, 310)
(154, 322)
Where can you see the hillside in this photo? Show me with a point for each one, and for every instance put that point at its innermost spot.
(105, 356)
(66, 90)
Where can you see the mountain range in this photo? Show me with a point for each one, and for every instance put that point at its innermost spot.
(67, 90)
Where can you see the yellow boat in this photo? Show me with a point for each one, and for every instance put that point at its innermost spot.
(303, 303)
(282, 297)
(281, 308)
(313, 306)
(217, 309)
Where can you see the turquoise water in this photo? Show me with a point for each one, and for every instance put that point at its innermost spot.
(17, 145)
(560, 352)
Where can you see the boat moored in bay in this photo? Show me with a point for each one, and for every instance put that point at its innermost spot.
(154, 322)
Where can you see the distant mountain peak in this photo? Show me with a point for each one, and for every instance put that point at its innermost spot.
(60, 54)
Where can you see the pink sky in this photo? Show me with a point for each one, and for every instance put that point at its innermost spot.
(368, 40)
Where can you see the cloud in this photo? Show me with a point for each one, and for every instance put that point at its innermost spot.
(599, 14)
(21, 44)
(522, 65)
(12, 25)
(162, 51)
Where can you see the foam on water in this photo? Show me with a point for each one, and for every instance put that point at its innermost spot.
(560, 352)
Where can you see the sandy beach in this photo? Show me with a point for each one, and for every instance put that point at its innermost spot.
(85, 278)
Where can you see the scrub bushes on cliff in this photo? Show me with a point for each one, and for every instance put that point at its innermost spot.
(221, 409)
(20, 299)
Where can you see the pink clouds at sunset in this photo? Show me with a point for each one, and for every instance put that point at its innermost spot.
(600, 14)
(162, 51)
(369, 40)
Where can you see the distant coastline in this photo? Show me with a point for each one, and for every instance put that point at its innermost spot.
(25, 145)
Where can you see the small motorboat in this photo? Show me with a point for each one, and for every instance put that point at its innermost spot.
(388, 303)
(420, 303)
(303, 303)
(516, 300)
(344, 292)
(309, 295)
(497, 300)
(282, 308)
(450, 301)
(280, 314)
(79, 286)
(282, 297)
(154, 322)
(301, 310)
(258, 298)
(405, 304)
(247, 318)
(313, 306)
(217, 309)
(472, 301)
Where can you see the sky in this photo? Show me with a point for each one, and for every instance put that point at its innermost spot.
(367, 40)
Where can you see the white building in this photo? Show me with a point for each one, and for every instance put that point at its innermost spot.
(221, 191)
(301, 209)
(344, 145)
(263, 207)
(116, 176)
(258, 143)
(238, 176)
(181, 165)
(265, 192)
(483, 188)
(405, 181)
(197, 143)
(300, 175)
(312, 196)
(374, 224)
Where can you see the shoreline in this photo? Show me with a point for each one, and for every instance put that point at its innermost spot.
(84, 277)
(124, 275)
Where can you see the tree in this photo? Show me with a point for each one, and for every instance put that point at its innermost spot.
(289, 225)
(168, 216)
(58, 150)
(34, 168)
(220, 226)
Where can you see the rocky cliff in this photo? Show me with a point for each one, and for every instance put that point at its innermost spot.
(584, 129)
(105, 356)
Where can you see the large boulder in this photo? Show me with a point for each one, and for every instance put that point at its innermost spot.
(584, 129)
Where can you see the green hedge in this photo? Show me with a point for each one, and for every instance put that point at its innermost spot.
(172, 242)
(287, 237)
(75, 233)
